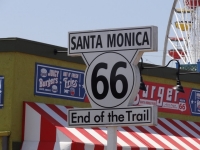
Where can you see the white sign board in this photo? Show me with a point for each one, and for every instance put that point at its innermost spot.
(110, 83)
(112, 77)
(143, 38)
(137, 116)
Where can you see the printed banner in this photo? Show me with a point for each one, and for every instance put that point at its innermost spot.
(169, 100)
(59, 82)
(1, 91)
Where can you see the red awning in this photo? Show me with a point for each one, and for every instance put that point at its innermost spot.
(45, 129)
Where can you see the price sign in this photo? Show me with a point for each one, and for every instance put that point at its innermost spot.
(112, 77)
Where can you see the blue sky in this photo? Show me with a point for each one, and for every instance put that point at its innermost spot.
(50, 21)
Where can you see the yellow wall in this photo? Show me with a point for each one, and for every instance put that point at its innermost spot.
(170, 82)
(1, 143)
(7, 70)
(24, 87)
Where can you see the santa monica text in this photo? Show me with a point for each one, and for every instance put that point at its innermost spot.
(109, 40)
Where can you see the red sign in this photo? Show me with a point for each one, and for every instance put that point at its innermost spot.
(169, 100)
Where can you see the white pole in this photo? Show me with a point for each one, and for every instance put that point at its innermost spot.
(112, 138)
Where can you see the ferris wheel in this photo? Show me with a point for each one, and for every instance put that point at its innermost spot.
(182, 39)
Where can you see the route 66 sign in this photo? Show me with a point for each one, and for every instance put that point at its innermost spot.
(112, 77)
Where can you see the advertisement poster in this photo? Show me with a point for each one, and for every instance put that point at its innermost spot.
(169, 100)
(59, 82)
(1, 91)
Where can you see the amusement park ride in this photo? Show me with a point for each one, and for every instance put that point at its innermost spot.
(182, 41)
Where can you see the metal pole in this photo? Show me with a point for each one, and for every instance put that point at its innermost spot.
(112, 138)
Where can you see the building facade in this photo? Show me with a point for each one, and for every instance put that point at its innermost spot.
(35, 72)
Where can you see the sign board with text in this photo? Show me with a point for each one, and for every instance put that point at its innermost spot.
(143, 38)
(112, 77)
(137, 116)
(59, 82)
(112, 83)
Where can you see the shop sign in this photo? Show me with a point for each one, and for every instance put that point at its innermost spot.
(169, 100)
(194, 102)
(1, 91)
(59, 82)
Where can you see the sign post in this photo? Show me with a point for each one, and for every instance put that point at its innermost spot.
(112, 138)
(112, 77)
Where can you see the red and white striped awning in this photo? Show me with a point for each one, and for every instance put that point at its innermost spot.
(45, 129)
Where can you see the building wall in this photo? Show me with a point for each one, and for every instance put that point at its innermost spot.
(7, 70)
(19, 72)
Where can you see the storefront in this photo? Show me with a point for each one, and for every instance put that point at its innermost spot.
(45, 128)
(39, 85)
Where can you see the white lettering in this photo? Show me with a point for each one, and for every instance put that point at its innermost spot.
(53, 73)
(160, 95)
(152, 91)
(70, 83)
(175, 97)
(48, 82)
(169, 95)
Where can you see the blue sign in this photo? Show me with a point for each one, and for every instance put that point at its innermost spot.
(59, 82)
(194, 102)
(1, 91)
